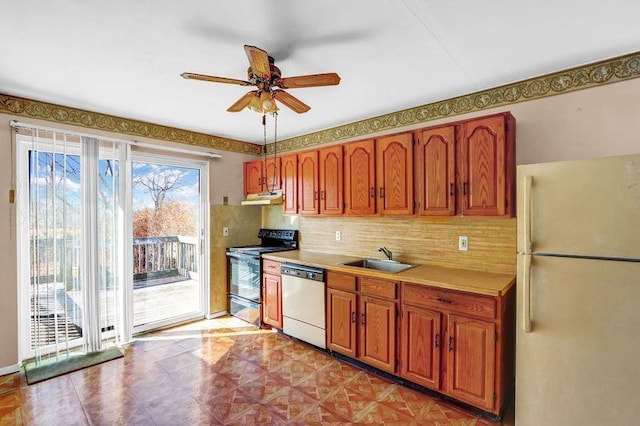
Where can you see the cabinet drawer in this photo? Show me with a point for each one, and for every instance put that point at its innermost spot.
(271, 266)
(341, 281)
(430, 297)
(379, 288)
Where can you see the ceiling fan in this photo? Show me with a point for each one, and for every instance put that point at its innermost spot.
(263, 74)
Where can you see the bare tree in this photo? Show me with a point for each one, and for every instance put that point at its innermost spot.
(159, 183)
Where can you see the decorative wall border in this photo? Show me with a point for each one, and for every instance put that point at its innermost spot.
(93, 120)
(586, 76)
(582, 77)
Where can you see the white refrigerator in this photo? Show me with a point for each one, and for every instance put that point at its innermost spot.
(578, 309)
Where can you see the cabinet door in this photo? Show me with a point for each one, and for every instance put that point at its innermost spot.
(471, 361)
(394, 174)
(272, 174)
(483, 161)
(308, 182)
(289, 173)
(272, 300)
(253, 177)
(341, 322)
(378, 333)
(360, 178)
(435, 174)
(331, 180)
(421, 343)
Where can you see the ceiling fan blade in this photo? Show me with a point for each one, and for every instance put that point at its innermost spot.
(259, 61)
(330, 79)
(292, 102)
(243, 102)
(192, 76)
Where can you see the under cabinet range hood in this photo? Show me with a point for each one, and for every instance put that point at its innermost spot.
(263, 199)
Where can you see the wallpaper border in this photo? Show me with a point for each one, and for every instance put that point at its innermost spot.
(582, 77)
(607, 71)
(93, 120)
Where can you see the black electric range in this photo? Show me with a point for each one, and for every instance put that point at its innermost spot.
(245, 271)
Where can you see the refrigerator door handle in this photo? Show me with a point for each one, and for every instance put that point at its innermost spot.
(526, 294)
(526, 220)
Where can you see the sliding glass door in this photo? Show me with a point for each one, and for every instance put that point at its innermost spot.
(110, 243)
(168, 231)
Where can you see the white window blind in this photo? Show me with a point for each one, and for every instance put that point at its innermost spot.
(72, 197)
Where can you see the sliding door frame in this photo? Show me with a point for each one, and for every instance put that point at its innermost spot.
(203, 238)
(126, 158)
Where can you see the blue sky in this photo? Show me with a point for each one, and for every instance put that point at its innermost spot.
(187, 189)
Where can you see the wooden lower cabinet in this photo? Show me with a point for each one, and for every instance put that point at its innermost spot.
(459, 344)
(271, 293)
(359, 325)
(421, 340)
(471, 350)
(341, 321)
(272, 300)
(378, 333)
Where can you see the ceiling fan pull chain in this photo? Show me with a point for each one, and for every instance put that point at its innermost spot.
(275, 141)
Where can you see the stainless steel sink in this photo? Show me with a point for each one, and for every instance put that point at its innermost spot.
(381, 265)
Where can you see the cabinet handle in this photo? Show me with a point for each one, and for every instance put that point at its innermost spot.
(362, 319)
(437, 340)
(441, 300)
(373, 192)
(450, 343)
(464, 188)
(322, 195)
(381, 192)
(315, 195)
(451, 189)
(353, 317)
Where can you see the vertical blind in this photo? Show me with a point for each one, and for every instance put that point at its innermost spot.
(75, 253)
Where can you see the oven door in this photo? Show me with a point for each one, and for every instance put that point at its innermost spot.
(244, 276)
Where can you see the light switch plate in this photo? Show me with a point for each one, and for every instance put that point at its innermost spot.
(225, 231)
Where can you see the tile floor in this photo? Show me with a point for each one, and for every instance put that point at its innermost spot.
(222, 372)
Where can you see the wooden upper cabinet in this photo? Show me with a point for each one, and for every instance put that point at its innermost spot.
(394, 174)
(330, 165)
(360, 178)
(308, 196)
(253, 177)
(471, 351)
(435, 171)
(272, 173)
(487, 166)
(289, 175)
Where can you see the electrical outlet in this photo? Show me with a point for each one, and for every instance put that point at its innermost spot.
(338, 235)
(225, 231)
(463, 243)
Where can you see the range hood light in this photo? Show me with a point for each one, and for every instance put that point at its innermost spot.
(263, 199)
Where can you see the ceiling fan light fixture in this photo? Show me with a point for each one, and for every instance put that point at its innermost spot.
(267, 103)
(254, 105)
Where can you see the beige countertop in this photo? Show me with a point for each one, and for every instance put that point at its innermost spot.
(437, 276)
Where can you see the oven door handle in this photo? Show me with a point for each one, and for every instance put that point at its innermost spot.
(240, 256)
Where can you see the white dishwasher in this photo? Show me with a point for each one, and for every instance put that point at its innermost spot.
(303, 294)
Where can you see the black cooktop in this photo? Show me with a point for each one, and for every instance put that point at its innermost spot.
(271, 240)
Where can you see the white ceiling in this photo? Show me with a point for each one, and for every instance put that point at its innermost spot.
(125, 57)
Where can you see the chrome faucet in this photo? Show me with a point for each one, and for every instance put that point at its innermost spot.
(386, 252)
